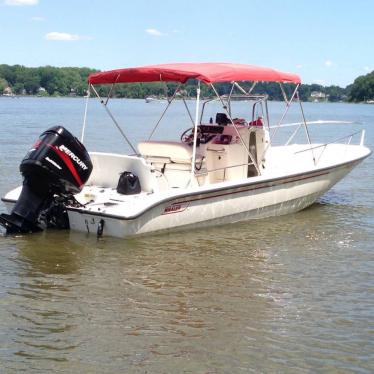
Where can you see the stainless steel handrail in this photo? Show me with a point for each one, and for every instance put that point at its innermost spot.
(334, 141)
(206, 171)
(325, 145)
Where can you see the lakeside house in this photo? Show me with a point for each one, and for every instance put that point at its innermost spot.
(8, 91)
(318, 96)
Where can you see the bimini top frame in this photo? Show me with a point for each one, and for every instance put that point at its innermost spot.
(207, 73)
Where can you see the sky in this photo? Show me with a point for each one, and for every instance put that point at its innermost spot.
(324, 41)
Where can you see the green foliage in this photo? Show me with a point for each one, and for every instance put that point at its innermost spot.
(56, 81)
(3, 85)
(43, 93)
(362, 88)
(73, 81)
(18, 88)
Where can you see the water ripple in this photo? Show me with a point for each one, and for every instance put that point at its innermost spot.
(290, 294)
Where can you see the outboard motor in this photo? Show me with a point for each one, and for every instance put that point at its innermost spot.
(54, 169)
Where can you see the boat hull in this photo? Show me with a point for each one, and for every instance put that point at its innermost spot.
(267, 198)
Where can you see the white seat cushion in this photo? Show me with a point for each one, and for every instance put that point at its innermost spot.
(176, 152)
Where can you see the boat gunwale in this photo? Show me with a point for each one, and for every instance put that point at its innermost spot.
(262, 184)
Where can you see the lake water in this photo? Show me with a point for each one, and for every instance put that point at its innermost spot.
(288, 294)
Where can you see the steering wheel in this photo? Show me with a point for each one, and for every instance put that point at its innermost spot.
(187, 136)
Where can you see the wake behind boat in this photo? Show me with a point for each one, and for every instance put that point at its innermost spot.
(223, 169)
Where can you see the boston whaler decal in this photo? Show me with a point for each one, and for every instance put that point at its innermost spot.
(176, 208)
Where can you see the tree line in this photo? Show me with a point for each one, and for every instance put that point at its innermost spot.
(46, 80)
(65, 81)
(362, 88)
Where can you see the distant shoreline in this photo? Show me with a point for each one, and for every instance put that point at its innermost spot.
(50, 81)
(143, 99)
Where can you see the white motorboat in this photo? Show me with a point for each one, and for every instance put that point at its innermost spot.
(151, 99)
(222, 170)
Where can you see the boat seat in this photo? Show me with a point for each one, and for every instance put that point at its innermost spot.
(175, 152)
(172, 159)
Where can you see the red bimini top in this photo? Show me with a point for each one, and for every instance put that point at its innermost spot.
(208, 72)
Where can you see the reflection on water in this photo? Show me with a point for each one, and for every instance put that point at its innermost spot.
(37, 312)
(261, 294)
(287, 294)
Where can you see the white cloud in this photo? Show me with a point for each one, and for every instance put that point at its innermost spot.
(299, 66)
(37, 19)
(154, 32)
(366, 68)
(328, 63)
(64, 36)
(21, 2)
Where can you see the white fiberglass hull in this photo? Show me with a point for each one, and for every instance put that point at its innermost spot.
(220, 205)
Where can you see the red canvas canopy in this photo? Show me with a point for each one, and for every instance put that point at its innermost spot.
(181, 72)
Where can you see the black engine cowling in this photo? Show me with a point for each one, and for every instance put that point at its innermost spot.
(57, 165)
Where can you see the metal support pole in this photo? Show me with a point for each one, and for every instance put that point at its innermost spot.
(267, 114)
(362, 140)
(165, 110)
(283, 92)
(238, 133)
(111, 89)
(114, 120)
(252, 87)
(110, 93)
(243, 90)
(248, 94)
(294, 134)
(188, 111)
(85, 114)
(229, 98)
(288, 104)
(195, 131)
(306, 128)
